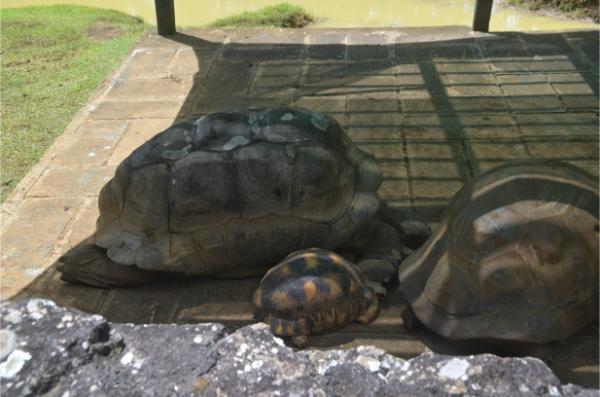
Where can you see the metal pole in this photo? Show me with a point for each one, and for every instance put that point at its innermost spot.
(483, 13)
(165, 17)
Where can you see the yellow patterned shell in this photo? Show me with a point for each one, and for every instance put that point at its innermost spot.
(311, 291)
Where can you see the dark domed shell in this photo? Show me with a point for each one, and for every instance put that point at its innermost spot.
(515, 257)
(237, 190)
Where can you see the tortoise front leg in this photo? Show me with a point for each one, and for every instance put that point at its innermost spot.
(412, 233)
(378, 250)
(300, 341)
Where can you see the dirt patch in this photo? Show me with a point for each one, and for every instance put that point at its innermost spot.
(102, 31)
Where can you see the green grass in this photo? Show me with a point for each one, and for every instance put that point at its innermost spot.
(50, 66)
(574, 8)
(282, 15)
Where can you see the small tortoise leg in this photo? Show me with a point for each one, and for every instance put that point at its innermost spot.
(88, 264)
(371, 308)
(410, 320)
(300, 341)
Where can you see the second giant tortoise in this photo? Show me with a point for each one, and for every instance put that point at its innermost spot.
(230, 194)
(514, 258)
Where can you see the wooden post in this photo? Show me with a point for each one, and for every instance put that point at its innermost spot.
(165, 17)
(483, 13)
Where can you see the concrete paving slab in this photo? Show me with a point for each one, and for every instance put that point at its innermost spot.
(136, 109)
(150, 89)
(149, 63)
(435, 106)
(93, 144)
(558, 124)
(29, 242)
(136, 133)
(191, 62)
(70, 181)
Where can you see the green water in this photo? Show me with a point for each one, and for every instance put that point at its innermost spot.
(347, 13)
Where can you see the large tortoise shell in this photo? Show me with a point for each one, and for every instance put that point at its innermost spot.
(236, 190)
(515, 257)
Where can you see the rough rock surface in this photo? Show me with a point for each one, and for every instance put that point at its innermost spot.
(49, 350)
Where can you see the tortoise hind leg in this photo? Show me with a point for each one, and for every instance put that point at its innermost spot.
(88, 264)
(410, 320)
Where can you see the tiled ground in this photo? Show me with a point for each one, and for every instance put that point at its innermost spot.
(435, 106)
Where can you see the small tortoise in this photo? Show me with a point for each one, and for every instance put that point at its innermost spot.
(313, 290)
(514, 258)
(229, 195)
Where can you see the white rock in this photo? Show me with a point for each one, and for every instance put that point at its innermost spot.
(8, 342)
(13, 316)
(14, 363)
(242, 349)
(36, 308)
(454, 369)
(127, 358)
(198, 339)
(369, 363)
(370, 351)
(137, 363)
(257, 364)
(553, 390)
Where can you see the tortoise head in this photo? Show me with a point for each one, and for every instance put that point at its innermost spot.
(370, 308)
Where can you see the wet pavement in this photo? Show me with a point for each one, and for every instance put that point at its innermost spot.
(435, 106)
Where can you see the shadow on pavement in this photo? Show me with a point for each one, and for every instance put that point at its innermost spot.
(434, 113)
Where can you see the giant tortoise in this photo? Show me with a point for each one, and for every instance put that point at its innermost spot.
(230, 195)
(514, 258)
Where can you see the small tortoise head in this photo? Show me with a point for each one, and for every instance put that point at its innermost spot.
(371, 306)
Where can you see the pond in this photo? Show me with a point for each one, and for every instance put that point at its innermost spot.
(347, 13)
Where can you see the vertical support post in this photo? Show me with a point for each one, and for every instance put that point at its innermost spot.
(165, 17)
(483, 13)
